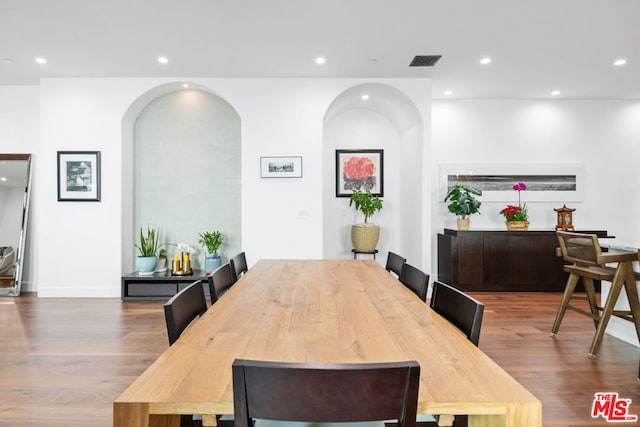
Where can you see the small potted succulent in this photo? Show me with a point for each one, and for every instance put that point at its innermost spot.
(462, 202)
(211, 241)
(148, 259)
(365, 236)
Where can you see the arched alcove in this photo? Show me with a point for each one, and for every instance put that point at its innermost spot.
(181, 169)
(385, 119)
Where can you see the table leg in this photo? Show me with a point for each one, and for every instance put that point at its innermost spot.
(130, 414)
(137, 415)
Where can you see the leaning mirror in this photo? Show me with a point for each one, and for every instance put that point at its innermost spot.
(15, 178)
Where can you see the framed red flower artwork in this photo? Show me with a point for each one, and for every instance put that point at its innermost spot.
(359, 170)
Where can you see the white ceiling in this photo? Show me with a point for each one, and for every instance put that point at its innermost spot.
(536, 45)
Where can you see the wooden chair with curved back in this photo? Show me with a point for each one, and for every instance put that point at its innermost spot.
(395, 263)
(220, 281)
(238, 265)
(325, 392)
(587, 262)
(415, 279)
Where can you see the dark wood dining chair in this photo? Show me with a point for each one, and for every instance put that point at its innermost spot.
(415, 279)
(395, 263)
(463, 311)
(325, 392)
(182, 309)
(238, 265)
(220, 281)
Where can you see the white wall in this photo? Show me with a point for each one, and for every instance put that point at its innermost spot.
(19, 133)
(604, 135)
(75, 248)
(81, 255)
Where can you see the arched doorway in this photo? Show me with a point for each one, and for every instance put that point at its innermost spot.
(181, 172)
(376, 116)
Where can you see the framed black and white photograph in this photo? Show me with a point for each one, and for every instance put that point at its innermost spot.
(281, 167)
(359, 170)
(546, 182)
(78, 176)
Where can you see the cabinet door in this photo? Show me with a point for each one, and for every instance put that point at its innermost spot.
(520, 259)
(496, 267)
(469, 255)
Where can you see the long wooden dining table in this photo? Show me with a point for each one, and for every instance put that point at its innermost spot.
(323, 311)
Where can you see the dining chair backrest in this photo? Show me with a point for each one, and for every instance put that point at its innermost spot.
(463, 311)
(395, 263)
(415, 279)
(325, 392)
(183, 308)
(220, 281)
(579, 248)
(238, 265)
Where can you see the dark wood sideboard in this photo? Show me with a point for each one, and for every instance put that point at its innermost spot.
(495, 260)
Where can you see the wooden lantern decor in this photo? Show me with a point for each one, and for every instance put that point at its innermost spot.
(565, 218)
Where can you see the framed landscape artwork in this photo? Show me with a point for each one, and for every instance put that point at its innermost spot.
(359, 170)
(78, 176)
(281, 167)
(546, 182)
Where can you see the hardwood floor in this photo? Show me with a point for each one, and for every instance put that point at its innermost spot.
(63, 361)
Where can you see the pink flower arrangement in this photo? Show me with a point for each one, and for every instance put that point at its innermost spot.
(516, 213)
(521, 186)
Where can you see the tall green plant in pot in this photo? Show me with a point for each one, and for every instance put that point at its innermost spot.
(212, 241)
(147, 260)
(462, 202)
(365, 236)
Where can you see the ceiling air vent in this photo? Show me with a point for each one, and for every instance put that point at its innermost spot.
(425, 60)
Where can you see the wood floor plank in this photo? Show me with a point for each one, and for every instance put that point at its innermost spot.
(63, 361)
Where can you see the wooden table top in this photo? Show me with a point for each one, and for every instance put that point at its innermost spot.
(332, 311)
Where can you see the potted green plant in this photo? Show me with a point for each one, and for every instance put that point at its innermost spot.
(365, 236)
(211, 241)
(462, 202)
(147, 260)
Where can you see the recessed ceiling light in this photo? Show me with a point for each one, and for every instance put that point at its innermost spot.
(185, 85)
(163, 59)
(365, 97)
(448, 93)
(555, 93)
(485, 61)
(619, 62)
(41, 60)
(320, 60)
(2, 178)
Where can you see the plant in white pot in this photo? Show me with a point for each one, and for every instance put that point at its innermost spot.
(148, 259)
(365, 236)
(462, 202)
(211, 241)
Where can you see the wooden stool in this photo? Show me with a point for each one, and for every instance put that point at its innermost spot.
(585, 254)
